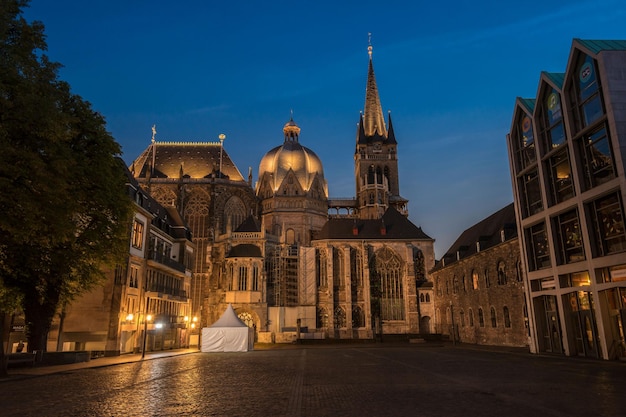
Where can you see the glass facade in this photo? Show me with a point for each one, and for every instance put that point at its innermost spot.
(569, 199)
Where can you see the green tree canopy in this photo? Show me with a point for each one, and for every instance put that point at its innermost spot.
(63, 206)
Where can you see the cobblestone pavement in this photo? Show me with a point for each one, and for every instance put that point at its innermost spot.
(351, 380)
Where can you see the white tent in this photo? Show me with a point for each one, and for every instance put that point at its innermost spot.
(228, 334)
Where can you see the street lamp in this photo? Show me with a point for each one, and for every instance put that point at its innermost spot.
(221, 138)
(146, 319)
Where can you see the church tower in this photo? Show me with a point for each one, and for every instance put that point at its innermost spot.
(375, 157)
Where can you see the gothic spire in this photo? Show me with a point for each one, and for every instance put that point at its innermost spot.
(374, 122)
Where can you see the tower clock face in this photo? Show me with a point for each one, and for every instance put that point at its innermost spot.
(378, 147)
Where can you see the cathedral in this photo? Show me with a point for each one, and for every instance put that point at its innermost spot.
(293, 262)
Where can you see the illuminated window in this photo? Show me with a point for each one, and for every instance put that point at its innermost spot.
(560, 177)
(538, 251)
(475, 279)
(524, 141)
(551, 119)
(137, 237)
(569, 242)
(585, 93)
(608, 220)
(597, 158)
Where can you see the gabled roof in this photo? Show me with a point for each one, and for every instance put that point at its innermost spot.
(528, 104)
(487, 233)
(555, 77)
(249, 225)
(393, 225)
(191, 159)
(596, 46)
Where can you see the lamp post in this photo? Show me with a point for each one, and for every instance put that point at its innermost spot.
(221, 138)
(146, 317)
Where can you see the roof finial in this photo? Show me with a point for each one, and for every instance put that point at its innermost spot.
(369, 44)
(153, 133)
(291, 111)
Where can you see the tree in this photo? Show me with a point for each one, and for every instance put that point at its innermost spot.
(65, 211)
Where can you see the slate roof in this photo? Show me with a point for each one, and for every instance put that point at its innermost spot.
(486, 232)
(395, 226)
(250, 224)
(197, 159)
(245, 250)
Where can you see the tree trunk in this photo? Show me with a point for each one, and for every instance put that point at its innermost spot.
(4, 334)
(39, 313)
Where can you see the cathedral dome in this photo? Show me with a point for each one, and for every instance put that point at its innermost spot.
(304, 163)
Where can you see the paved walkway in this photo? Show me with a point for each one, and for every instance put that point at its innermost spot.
(22, 370)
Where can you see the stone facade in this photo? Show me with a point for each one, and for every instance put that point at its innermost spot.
(479, 288)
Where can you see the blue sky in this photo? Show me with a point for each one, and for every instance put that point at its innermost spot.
(449, 72)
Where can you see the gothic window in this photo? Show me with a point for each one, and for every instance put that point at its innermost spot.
(455, 285)
(338, 268)
(358, 317)
(322, 318)
(234, 212)
(255, 278)
(494, 321)
(230, 276)
(507, 317)
(370, 175)
(247, 319)
(372, 198)
(320, 260)
(481, 318)
(422, 298)
(471, 317)
(487, 283)
(462, 314)
(290, 237)
(428, 298)
(518, 270)
(474, 279)
(501, 273)
(340, 318)
(356, 270)
(419, 265)
(388, 275)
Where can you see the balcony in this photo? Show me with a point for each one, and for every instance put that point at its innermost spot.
(153, 255)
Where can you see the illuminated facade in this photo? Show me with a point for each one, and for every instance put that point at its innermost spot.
(567, 150)
(145, 300)
(274, 252)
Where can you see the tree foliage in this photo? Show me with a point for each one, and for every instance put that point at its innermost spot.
(64, 209)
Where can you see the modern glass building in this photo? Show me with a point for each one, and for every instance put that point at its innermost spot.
(567, 153)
